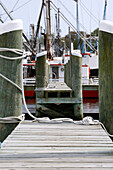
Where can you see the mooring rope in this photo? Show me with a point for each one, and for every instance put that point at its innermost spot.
(20, 118)
(16, 51)
(23, 55)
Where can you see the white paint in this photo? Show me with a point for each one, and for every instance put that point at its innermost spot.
(10, 26)
(106, 26)
(41, 54)
(76, 53)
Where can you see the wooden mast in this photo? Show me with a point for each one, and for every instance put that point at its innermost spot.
(48, 37)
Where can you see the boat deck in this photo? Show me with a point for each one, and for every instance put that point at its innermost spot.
(40, 146)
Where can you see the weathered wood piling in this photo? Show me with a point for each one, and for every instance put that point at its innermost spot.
(10, 96)
(76, 80)
(106, 74)
(41, 70)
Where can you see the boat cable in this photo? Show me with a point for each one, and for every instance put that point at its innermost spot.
(73, 27)
(70, 13)
(86, 120)
(16, 51)
(89, 12)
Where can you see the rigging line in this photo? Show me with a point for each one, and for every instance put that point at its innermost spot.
(81, 36)
(73, 17)
(79, 32)
(12, 9)
(89, 12)
(90, 17)
(21, 6)
(81, 12)
(73, 27)
(9, 15)
(18, 7)
(14, 5)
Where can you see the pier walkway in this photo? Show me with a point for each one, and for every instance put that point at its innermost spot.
(42, 146)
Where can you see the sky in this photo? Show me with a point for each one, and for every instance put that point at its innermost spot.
(90, 13)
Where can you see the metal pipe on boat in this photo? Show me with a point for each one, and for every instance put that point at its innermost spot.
(106, 74)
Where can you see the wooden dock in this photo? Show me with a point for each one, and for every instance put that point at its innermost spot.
(42, 146)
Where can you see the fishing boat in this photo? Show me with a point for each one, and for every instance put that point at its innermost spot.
(59, 59)
(56, 74)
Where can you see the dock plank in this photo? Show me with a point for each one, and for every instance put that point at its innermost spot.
(39, 146)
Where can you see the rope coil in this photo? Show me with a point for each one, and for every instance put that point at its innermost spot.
(16, 51)
(22, 55)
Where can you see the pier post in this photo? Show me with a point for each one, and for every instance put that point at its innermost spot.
(106, 74)
(42, 76)
(41, 70)
(77, 85)
(10, 96)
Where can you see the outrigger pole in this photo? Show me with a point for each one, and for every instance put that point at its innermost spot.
(48, 36)
(104, 16)
(38, 23)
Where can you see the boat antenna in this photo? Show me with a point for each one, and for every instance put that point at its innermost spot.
(105, 6)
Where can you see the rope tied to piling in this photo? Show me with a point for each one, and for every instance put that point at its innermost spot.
(22, 54)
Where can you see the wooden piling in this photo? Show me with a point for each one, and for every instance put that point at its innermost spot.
(106, 74)
(10, 96)
(77, 84)
(41, 70)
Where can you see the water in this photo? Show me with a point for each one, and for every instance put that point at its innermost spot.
(90, 107)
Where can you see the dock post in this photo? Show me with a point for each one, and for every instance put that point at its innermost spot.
(41, 70)
(42, 77)
(77, 85)
(106, 74)
(10, 96)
